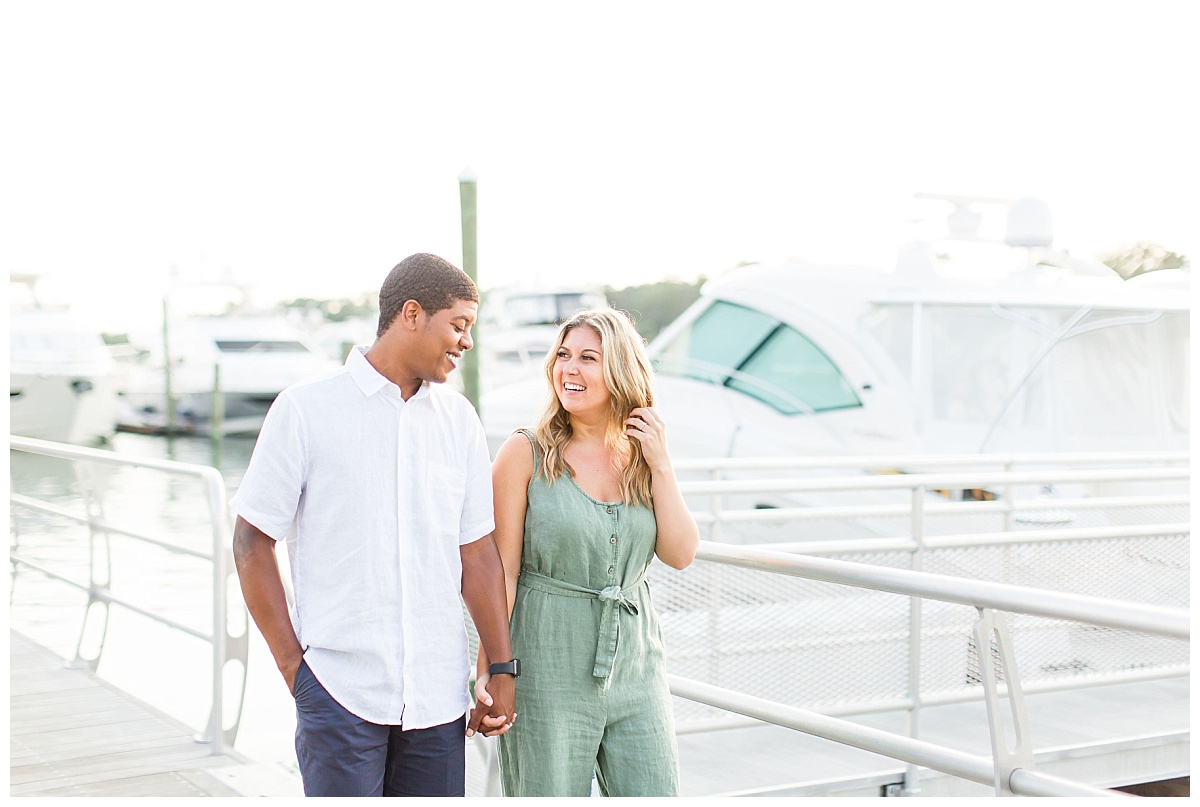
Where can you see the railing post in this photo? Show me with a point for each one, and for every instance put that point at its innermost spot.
(912, 773)
(99, 570)
(714, 507)
(992, 625)
(1009, 504)
(714, 600)
(220, 630)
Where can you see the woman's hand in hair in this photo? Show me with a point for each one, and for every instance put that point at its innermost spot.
(647, 427)
(678, 537)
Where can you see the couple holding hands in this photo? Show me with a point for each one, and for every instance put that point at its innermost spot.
(380, 483)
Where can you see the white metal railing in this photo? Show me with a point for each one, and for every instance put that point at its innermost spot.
(931, 481)
(1009, 770)
(897, 461)
(706, 498)
(897, 475)
(225, 647)
(899, 490)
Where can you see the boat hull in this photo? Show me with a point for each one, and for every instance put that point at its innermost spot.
(77, 408)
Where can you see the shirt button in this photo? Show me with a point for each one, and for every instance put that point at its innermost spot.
(611, 570)
(612, 540)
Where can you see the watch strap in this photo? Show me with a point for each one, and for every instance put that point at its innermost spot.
(512, 668)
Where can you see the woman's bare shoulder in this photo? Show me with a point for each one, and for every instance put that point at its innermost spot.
(515, 456)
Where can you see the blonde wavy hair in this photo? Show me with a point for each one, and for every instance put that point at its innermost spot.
(630, 381)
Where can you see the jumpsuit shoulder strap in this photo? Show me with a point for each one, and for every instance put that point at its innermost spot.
(537, 455)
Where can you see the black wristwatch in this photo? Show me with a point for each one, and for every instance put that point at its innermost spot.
(512, 668)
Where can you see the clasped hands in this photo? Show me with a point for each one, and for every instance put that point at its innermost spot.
(493, 712)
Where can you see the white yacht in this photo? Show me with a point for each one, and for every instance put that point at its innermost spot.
(62, 382)
(519, 326)
(965, 346)
(817, 359)
(256, 356)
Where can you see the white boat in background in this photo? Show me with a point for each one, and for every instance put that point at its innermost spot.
(1048, 356)
(966, 346)
(62, 382)
(517, 328)
(256, 356)
(520, 326)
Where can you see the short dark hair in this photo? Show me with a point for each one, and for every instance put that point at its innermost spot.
(433, 282)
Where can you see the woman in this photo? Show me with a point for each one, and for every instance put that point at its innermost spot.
(583, 503)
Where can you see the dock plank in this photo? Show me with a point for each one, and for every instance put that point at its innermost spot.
(72, 734)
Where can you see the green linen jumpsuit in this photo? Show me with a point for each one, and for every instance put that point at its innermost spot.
(593, 691)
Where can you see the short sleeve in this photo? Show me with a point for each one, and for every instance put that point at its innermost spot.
(269, 494)
(478, 518)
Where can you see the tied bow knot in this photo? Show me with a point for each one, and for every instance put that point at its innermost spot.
(614, 595)
(611, 597)
(610, 629)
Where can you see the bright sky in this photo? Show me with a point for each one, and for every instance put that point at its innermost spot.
(305, 148)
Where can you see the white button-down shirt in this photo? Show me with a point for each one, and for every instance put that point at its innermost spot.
(374, 495)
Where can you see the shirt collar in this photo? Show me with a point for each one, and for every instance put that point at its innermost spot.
(370, 380)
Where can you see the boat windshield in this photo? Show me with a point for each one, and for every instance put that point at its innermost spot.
(551, 308)
(759, 356)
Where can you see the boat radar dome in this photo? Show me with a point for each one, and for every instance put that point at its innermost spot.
(1029, 224)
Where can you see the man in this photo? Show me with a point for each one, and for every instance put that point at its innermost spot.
(379, 481)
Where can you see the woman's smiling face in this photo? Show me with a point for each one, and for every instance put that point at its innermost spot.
(579, 372)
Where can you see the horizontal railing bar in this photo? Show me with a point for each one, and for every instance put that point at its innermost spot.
(105, 596)
(34, 504)
(852, 545)
(101, 595)
(1097, 503)
(1082, 681)
(1048, 536)
(167, 545)
(890, 461)
(71, 452)
(975, 540)
(978, 593)
(902, 704)
(44, 507)
(1034, 783)
(743, 721)
(55, 575)
(917, 752)
(928, 481)
(867, 510)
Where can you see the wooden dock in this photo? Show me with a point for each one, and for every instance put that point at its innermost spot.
(72, 734)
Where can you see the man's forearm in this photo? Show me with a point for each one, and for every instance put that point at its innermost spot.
(262, 590)
(484, 593)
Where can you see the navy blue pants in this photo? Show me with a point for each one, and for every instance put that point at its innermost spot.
(341, 754)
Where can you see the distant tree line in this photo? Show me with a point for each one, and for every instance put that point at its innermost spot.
(655, 305)
(338, 310)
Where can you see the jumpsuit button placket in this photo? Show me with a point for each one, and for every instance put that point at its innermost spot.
(612, 540)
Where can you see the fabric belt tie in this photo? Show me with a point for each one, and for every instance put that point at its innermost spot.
(612, 597)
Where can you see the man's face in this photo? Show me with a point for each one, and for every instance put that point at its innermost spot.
(444, 337)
